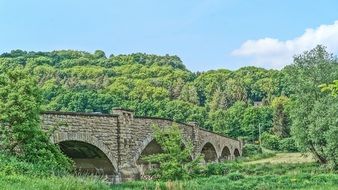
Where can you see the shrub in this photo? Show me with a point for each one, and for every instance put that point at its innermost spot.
(174, 161)
(235, 176)
(216, 169)
(251, 149)
(20, 133)
(270, 141)
(288, 144)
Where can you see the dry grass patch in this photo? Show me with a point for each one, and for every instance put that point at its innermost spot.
(286, 158)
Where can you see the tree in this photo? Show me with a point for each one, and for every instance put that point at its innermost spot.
(311, 109)
(255, 120)
(189, 94)
(20, 134)
(333, 88)
(176, 161)
(100, 54)
(281, 120)
(228, 122)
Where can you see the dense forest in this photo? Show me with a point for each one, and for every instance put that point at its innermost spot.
(279, 105)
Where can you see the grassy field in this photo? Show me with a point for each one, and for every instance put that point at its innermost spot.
(285, 158)
(276, 171)
(282, 171)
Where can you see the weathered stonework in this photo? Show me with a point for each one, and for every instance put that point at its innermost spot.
(121, 138)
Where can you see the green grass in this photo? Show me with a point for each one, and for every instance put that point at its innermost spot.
(299, 181)
(15, 175)
(233, 181)
(25, 182)
(239, 176)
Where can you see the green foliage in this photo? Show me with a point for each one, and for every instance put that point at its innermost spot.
(20, 133)
(251, 149)
(219, 100)
(19, 182)
(176, 161)
(270, 141)
(152, 85)
(255, 118)
(312, 111)
(281, 118)
(288, 145)
(229, 122)
(11, 165)
(244, 176)
(235, 176)
(333, 88)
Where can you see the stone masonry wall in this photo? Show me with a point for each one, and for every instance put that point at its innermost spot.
(123, 137)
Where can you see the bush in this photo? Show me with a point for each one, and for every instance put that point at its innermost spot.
(216, 169)
(174, 160)
(288, 144)
(270, 141)
(20, 133)
(11, 165)
(235, 176)
(251, 149)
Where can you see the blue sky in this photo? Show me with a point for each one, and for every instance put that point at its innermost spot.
(206, 34)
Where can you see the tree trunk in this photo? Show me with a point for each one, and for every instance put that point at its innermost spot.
(319, 158)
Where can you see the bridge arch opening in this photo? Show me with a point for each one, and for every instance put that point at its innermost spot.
(209, 152)
(226, 154)
(144, 166)
(236, 153)
(152, 148)
(88, 158)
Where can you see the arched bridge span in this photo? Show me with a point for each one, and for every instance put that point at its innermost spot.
(111, 144)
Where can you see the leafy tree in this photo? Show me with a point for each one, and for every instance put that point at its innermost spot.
(256, 119)
(100, 54)
(311, 111)
(270, 141)
(228, 122)
(251, 149)
(288, 144)
(189, 94)
(333, 88)
(281, 120)
(176, 161)
(20, 134)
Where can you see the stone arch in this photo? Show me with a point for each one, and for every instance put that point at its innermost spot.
(141, 147)
(84, 139)
(145, 143)
(209, 152)
(148, 147)
(226, 154)
(151, 148)
(236, 153)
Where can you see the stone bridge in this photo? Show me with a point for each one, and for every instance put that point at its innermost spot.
(112, 144)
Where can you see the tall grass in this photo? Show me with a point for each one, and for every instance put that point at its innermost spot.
(237, 176)
(300, 181)
(18, 175)
(22, 182)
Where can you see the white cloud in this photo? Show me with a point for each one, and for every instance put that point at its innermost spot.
(274, 53)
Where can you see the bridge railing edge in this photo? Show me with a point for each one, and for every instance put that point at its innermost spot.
(187, 124)
(77, 113)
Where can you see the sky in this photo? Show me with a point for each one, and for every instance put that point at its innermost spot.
(205, 34)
